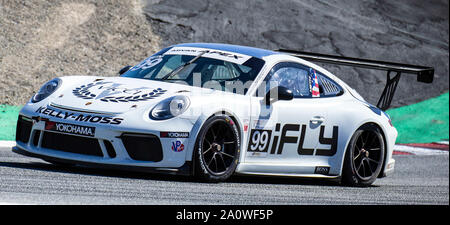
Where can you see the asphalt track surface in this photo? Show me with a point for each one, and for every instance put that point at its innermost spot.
(421, 179)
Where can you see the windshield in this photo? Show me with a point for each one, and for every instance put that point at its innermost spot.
(201, 71)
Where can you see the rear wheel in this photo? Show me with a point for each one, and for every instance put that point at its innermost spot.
(217, 149)
(364, 157)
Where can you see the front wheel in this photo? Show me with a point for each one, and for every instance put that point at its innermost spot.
(364, 157)
(217, 149)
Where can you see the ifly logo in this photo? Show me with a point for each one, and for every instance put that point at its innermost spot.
(177, 146)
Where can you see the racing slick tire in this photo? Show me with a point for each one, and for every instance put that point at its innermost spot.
(217, 149)
(364, 157)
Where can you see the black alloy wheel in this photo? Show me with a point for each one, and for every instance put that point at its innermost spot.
(365, 156)
(217, 149)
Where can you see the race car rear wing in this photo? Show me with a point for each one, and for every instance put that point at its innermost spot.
(424, 74)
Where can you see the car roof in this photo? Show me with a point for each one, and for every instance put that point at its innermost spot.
(250, 51)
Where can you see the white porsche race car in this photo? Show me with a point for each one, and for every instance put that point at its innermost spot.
(213, 110)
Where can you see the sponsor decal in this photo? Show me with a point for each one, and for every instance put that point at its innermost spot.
(177, 146)
(261, 140)
(322, 170)
(166, 134)
(114, 92)
(210, 53)
(148, 63)
(246, 127)
(70, 128)
(79, 117)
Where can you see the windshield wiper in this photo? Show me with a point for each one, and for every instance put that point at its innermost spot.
(178, 69)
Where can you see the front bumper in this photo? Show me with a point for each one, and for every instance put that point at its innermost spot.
(389, 165)
(128, 145)
(183, 170)
(389, 169)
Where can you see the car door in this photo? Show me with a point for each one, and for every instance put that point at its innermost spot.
(284, 135)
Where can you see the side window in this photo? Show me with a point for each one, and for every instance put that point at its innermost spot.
(302, 80)
(290, 75)
(327, 87)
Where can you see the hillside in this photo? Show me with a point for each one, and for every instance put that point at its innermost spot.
(40, 40)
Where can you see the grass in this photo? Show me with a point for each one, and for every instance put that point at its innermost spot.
(423, 122)
(8, 121)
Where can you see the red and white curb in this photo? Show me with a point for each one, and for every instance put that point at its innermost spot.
(439, 148)
(436, 148)
(7, 144)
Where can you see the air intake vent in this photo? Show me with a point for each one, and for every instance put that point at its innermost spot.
(23, 129)
(71, 143)
(110, 149)
(143, 147)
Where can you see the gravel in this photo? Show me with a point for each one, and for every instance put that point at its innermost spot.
(40, 40)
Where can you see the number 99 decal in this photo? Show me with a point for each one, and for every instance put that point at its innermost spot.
(147, 63)
(259, 140)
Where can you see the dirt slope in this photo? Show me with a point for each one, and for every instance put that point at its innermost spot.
(40, 40)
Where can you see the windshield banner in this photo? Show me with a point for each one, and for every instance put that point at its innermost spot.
(210, 53)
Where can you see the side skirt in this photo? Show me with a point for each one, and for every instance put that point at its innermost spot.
(285, 170)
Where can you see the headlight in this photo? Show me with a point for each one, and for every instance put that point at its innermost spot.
(46, 90)
(169, 108)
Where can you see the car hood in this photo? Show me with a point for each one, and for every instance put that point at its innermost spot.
(114, 94)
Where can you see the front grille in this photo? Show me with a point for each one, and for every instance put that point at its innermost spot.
(110, 149)
(23, 129)
(144, 147)
(36, 136)
(71, 143)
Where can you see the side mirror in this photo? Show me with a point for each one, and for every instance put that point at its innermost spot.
(125, 69)
(278, 93)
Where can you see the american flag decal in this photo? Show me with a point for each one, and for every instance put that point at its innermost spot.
(314, 84)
